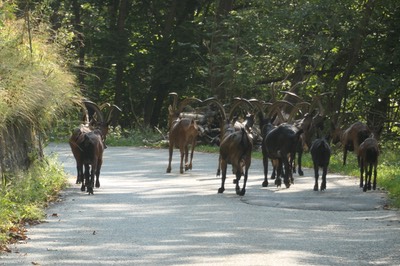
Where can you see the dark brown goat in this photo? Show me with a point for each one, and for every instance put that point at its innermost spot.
(368, 153)
(94, 121)
(236, 149)
(320, 154)
(351, 138)
(92, 149)
(280, 144)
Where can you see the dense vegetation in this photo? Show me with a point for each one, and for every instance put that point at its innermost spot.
(133, 53)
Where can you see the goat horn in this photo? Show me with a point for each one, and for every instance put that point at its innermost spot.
(259, 105)
(238, 102)
(112, 112)
(174, 100)
(185, 102)
(218, 103)
(294, 95)
(93, 109)
(296, 108)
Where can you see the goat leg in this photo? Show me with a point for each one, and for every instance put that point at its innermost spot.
(316, 175)
(265, 164)
(361, 173)
(278, 180)
(238, 176)
(369, 176)
(375, 173)
(223, 177)
(182, 150)
(286, 177)
(324, 173)
(171, 150)
(186, 157)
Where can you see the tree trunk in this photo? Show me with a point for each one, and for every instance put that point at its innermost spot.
(120, 45)
(217, 83)
(340, 99)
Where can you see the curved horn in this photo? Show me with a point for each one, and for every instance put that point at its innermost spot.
(278, 104)
(238, 102)
(317, 101)
(93, 109)
(217, 103)
(112, 111)
(297, 108)
(174, 100)
(185, 102)
(292, 94)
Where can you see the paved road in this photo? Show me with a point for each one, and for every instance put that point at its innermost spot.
(143, 216)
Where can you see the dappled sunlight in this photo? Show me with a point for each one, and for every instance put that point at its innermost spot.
(142, 216)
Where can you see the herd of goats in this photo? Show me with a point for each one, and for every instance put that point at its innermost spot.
(284, 130)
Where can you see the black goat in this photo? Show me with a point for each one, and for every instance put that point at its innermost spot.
(91, 154)
(368, 153)
(280, 144)
(320, 154)
(236, 149)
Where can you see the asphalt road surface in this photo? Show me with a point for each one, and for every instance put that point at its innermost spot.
(142, 216)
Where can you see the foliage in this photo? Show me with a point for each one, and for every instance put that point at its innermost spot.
(23, 198)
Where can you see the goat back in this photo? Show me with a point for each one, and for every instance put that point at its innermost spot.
(236, 146)
(320, 152)
(369, 150)
(282, 140)
(92, 147)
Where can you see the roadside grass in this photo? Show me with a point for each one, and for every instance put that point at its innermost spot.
(24, 196)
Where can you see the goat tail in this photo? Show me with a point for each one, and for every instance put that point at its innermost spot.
(371, 155)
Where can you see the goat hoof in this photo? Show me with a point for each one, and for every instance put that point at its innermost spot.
(265, 184)
(234, 181)
(365, 188)
(242, 192)
(315, 188)
(168, 171)
(221, 190)
(301, 173)
(82, 188)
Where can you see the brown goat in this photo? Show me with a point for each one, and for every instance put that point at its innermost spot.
(183, 133)
(94, 121)
(368, 153)
(351, 138)
(92, 149)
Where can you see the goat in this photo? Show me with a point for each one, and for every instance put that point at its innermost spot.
(183, 133)
(78, 135)
(320, 154)
(236, 149)
(91, 154)
(351, 138)
(368, 153)
(94, 121)
(280, 144)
